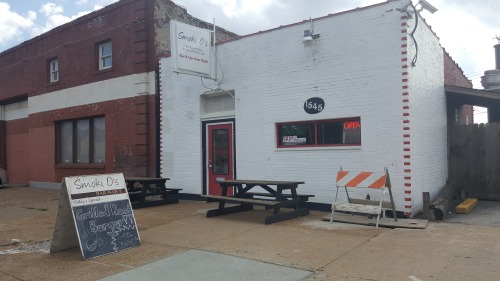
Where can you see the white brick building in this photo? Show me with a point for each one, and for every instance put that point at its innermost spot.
(360, 66)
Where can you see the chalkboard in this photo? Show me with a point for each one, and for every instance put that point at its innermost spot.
(95, 213)
(105, 228)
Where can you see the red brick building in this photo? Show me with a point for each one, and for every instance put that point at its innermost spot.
(83, 97)
(454, 76)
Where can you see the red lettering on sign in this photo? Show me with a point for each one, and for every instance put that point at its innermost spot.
(351, 125)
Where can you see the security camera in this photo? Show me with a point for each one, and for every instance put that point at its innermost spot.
(426, 5)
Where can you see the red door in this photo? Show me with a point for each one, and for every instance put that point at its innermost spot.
(220, 156)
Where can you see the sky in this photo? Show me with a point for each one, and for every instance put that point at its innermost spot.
(466, 28)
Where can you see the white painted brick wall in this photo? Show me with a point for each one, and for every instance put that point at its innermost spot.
(106, 90)
(111, 89)
(427, 101)
(15, 111)
(355, 66)
(181, 129)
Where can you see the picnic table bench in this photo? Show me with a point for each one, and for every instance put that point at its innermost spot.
(275, 198)
(141, 187)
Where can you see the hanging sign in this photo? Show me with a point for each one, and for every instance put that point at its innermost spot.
(191, 49)
(314, 105)
(95, 213)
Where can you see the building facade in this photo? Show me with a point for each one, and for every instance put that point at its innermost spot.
(358, 95)
(83, 97)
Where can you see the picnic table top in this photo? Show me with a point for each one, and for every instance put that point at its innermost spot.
(259, 182)
(144, 179)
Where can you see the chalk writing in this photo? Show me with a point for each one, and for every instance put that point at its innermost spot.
(110, 209)
(114, 227)
(106, 227)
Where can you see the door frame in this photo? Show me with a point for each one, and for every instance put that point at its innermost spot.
(204, 143)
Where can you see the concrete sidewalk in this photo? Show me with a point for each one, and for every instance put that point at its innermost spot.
(177, 238)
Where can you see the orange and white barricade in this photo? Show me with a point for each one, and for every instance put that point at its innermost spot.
(367, 180)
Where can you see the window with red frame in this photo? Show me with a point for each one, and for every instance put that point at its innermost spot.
(335, 132)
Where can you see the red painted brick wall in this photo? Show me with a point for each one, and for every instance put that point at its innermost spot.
(23, 69)
(17, 140)
(129, 24)
(41, 153)
(129, 140)
(454, 76)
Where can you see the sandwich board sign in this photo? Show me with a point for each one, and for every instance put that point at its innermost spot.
(95, 213)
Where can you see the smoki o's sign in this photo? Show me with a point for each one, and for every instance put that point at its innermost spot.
(191, 49)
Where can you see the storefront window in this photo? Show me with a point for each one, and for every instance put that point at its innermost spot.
(99, 145)
(297, 134)
(336, 132)
(220, 143)
(81, 141)
(66, 146)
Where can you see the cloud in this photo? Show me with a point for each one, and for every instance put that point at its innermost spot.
(15, 28)
(250, 16)
(235, 8)
(467, 32)
(99, 4)
(13, 24)
(53, 17)
(81, 2)
(49, 9)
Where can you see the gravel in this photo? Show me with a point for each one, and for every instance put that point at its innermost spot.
(43, 246)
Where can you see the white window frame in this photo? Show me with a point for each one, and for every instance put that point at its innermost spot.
(54, 70)
(103, 57)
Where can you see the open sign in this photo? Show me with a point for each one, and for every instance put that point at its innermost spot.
(351, 125)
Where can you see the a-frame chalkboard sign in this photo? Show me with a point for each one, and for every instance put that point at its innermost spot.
(95, 213)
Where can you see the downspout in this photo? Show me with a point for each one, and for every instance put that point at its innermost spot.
(3, 139)
(157, 123)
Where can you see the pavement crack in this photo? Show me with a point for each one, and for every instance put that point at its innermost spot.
(12, 276)
(350, 251)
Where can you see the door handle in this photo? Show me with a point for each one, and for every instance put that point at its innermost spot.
(210, 164)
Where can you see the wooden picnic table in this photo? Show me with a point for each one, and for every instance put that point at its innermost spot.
(141, 187)
(272, 198)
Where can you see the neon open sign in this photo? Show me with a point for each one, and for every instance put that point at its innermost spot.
(351, 125)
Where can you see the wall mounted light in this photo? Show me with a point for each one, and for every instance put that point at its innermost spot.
(309, 33)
